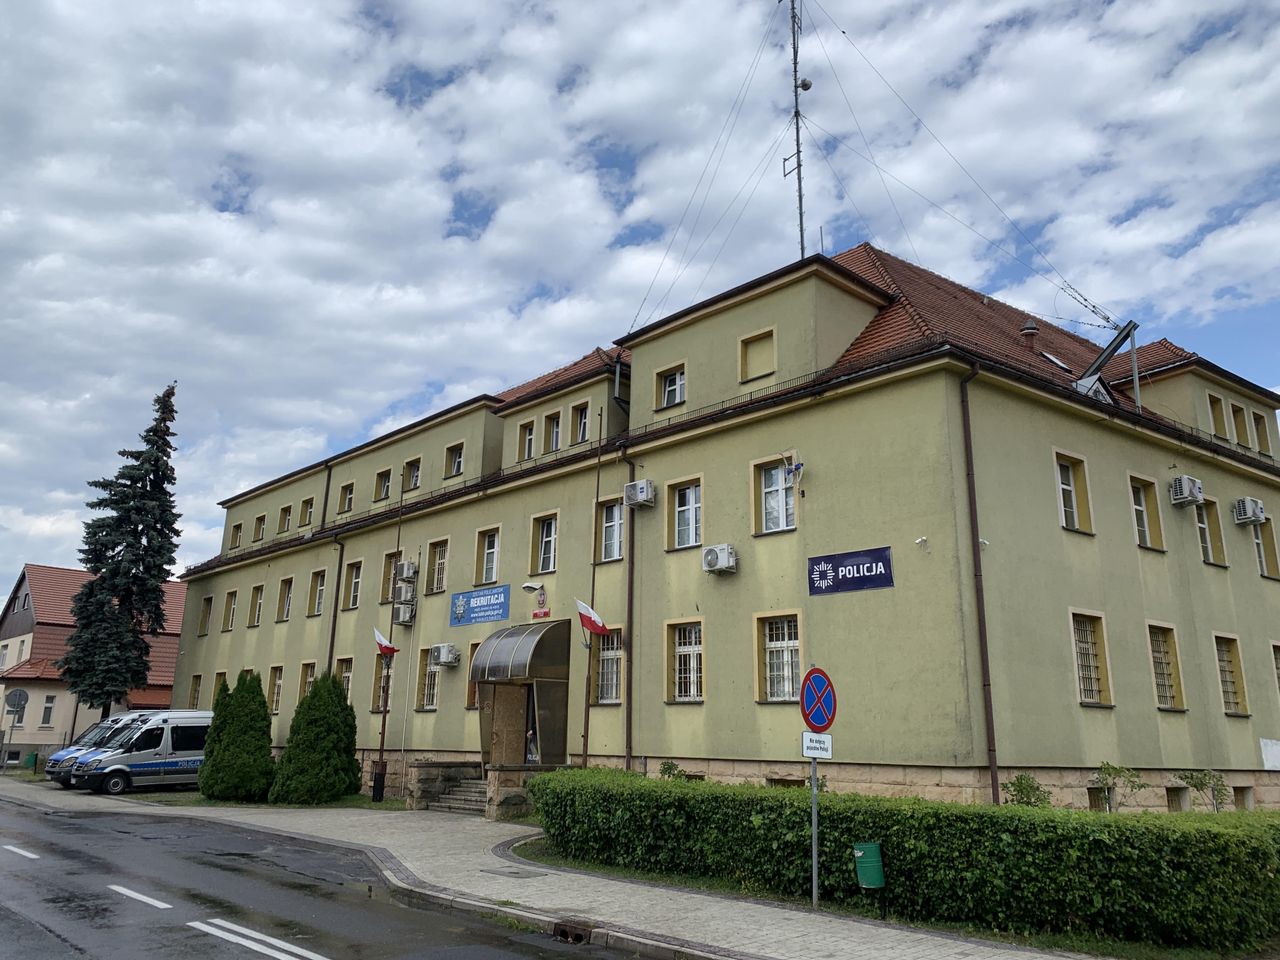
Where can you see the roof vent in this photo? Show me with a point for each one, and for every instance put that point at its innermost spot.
(1029, 331)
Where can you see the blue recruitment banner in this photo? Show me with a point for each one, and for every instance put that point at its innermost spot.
(480, 606)
(859, 570)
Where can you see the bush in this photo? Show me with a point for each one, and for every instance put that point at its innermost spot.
(237, 752)
(319, 762)
(1025, 790)
(1187, 879)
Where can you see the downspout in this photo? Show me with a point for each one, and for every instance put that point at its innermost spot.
(979, 590)
(335, 592)
(626, 633)
(324, 504)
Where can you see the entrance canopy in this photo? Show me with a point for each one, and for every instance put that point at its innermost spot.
(527, 651)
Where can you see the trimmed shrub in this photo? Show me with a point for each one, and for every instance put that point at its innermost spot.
(319, 762)
(1206, 881)
(237, 753)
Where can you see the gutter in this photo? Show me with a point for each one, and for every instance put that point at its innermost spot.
(975, 537)
(627, 646)
(336, 592)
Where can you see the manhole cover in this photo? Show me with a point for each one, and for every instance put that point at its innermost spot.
(519, 873)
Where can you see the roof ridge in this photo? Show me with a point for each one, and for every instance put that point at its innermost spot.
(917, 317)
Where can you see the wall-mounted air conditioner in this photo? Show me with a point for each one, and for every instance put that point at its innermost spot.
(402, 613)
(1184, 490)
(1248, 510)
(445, 655)
(720, 558)
(406, 570)
(639, 493)
(403, 593)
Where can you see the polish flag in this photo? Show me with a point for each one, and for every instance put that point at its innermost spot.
(384, 645)
(591, 620)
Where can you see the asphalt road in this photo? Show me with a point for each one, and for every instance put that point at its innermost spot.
(114, 887)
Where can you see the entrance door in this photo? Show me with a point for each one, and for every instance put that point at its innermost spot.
(532, 752)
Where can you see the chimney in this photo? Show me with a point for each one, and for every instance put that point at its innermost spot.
(1029, 331)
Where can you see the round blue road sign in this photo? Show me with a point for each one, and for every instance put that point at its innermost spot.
(818, 700)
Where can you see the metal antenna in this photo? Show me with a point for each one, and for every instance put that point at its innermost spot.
(797, 85)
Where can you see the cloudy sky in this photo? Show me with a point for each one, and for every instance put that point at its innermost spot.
(326, 219)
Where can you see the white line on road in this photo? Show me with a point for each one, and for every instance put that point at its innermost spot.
(22, 853)
(244, 941)
(158, 904)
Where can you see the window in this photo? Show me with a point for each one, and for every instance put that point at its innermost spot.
(685, 515)
(315, 599)
(1262, 434)
(193, 692)
(342, 669)
(776, 496)
(237, 530)
(1177, 799)
(1146, 513)
(388, 582)
(1275, 655)
(428, 681)
(453, 460)
(382, 485)
(1242, 798)
(306, 680)
(275, 683)
(412, 474)
(229, 611)
(16, 715)
(1164, 667)
(255, 606)
(351, 585)
(1073, 494)
(525, 451)
(1210, 532)
(670, 387)
(437, 561)
(284, 599)
(1217, 416)
(608, 655)
(473, 691)
(206, 614)
(544, 545)
(46, 715)
(1229, 675)
(286, 518)
(4, 654)
(551, 433)
(1264, 545)
(1091, 659)
(756, 356)
(304, 514)
(219, 681)
(684, 682)
(581, 425)
(487, 556)
(189, 736)
(26, 601)
(610, 521)
(1101, 799)
(778, 651)
(346, 497)
(259, 527)
(1240, 420)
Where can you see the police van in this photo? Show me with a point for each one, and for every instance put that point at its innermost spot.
(58, 767)
(163, 749)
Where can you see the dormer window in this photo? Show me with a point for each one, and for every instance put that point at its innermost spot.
(671, 387)
(1055, 361)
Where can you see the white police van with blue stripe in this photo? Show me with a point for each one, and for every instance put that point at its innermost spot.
(162, 749)
(58, 767)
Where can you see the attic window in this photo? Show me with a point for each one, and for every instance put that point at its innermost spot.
(1055, 361)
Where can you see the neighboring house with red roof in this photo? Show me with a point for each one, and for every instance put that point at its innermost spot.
(34, 626)
(1007, 555)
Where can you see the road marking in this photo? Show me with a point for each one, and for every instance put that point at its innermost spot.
(22, 853)
(244, 941)
(158, 904)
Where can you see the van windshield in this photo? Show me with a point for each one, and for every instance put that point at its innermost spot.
(95, 734)
(122, 734)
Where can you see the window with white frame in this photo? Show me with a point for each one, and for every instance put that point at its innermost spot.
(551, 435)
(308, 509)
(581, 429)
(671, 387)
(193, 692)
(526, 442)
(428, 681)
(276, 686)
(686, 657)
(382, 668)
(487, 556)
(1073, 494)
(1264, 546)
(545, 545)
(351, 587)
(342, 670)
(46, 715)
(229, 611)
(687, 515)
(780, 648)
(286, 518)
(437, 564)
(255, 606)
(1209, 530)
(1091, 659)
(453, 460)
(284, 599)
(316, 598)
(306, 680)
(236, 531)
(412, 474)
(611, 514)
(1275, 655)
(382, 485)
(609, 668)
(346, 497)
(1146, 513)
(259, 527)
(777, 498)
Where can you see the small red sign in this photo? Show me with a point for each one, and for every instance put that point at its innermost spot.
(542, 614)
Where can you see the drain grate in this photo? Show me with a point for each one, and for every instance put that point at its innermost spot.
(572, 931)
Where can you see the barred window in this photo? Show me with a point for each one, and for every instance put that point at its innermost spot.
(609, 671)
(437, 559)
(1233, 700)
(1091, 664)
(1164, 666)
(193, 696)
(686, 653)
(428, 681)
(382, 668)
(777, 499)
(307, 680)
(780, 645)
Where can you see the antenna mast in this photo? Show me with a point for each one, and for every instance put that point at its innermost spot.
(796, 86)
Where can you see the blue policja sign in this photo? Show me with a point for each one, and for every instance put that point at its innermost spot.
(860, 570)
(480, 606)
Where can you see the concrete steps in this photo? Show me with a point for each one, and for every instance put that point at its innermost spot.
(465, 796)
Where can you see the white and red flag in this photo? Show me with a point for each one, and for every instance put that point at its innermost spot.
(384, 645)
(591, 621)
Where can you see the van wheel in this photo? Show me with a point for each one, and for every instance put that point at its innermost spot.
(65, 784)
(114, 783)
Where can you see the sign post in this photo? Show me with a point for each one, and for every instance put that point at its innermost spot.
(818, 705)
(15, 701)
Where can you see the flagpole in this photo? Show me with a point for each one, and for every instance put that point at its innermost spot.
(384, 694)
(590, 637)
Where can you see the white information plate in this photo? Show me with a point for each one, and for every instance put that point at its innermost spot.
(816, 745)
(1270, 754)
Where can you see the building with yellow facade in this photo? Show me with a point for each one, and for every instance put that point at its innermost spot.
(1003, 563)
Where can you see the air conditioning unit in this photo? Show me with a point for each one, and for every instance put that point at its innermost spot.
(445, 655)
(639, 493)
(1248, 510)
(403, 593)
(402, 613)
(719, 559)
(406, 570)
(1184, 490)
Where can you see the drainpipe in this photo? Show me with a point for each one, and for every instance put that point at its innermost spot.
(324, 504)
(626, 631)
(335, 591)
(975, 537)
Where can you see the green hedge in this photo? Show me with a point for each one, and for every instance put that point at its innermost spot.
(1207, 880)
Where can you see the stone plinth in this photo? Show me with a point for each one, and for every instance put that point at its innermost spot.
(508, 795)
(430, 779)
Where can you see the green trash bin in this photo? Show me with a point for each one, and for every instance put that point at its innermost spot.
(30, 762)
(866, 859)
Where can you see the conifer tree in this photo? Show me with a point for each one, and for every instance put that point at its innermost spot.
(319, 760)
(237, 754)
(129, 548)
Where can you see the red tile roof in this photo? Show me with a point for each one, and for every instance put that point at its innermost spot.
(32, 670)
(149, 698)
(1152, 357)
(53, 589)
(593, 364)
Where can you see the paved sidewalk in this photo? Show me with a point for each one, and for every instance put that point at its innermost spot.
(458, 861)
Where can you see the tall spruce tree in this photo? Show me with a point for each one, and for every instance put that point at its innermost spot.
(129, 548)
